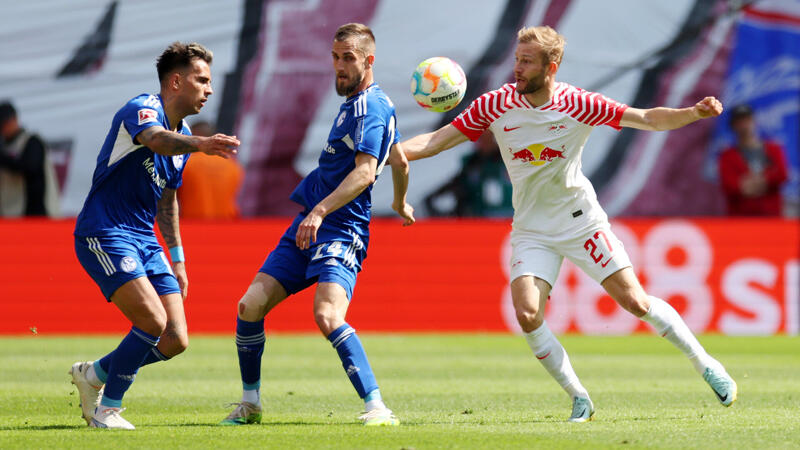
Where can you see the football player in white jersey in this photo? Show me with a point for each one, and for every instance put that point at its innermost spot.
(541, 127)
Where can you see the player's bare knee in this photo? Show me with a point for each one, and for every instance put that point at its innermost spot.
(639, 307)
(153, 324)
(250, 309)
(634, 304)
(176, 339)
(327, 320)
(528, 318)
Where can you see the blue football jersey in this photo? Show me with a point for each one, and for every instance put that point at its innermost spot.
(366, 123)
(129, 178)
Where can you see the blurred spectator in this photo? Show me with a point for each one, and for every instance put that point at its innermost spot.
(481, 188)
(751, 171)
(27, 178)
(210, 184)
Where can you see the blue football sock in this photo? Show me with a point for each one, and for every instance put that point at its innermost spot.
(354, 360)
(250, 340)
(125, 362)
(102, 370)
(102, 365)
(154, 356)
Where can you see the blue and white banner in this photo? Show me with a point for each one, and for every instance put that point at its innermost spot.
(764, 72)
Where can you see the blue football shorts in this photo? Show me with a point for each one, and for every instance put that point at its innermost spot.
(113, 261)
(335, 257)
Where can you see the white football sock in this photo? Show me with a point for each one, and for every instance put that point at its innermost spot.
(374, 404)
(92, 378)
(251, 396)
(554, 358)
(669, 324)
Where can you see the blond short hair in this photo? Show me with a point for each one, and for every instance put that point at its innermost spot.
(551, 42)
(362, 33)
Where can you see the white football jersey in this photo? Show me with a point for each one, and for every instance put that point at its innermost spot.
(541, 148)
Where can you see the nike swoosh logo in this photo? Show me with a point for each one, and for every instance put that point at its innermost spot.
(548, 354)
(721, 398)
(606, 263)
(509, 129)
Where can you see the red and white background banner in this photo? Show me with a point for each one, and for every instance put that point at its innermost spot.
(724, 276)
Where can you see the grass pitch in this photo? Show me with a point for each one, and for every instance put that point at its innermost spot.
(450, 391)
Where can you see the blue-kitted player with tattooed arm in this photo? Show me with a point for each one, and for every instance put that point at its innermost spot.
(327, 242)
(138, 171)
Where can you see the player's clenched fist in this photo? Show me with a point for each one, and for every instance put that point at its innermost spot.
(219, 145)
(708, 107)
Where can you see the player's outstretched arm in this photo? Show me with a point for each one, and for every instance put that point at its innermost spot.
(662, 119)
(399, 162)
(167, 218)
(353, 184)
(431, 144)
(170, 143)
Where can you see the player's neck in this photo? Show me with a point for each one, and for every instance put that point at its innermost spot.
(171, 109)
(543, 95)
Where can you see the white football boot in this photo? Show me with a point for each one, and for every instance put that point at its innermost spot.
(105, 417)
(722, 384)
(379, 417)
(582, 410)
(90, 394)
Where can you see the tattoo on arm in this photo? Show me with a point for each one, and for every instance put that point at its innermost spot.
(165, 142)
(167, 218)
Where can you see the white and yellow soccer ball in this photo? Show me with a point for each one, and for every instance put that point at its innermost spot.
(438, 84)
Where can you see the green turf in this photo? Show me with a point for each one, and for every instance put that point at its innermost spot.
(450, 391)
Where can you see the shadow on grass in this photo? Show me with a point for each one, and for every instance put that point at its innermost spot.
(42, 427)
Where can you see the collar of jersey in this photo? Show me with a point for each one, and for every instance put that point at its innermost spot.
(350, 99)
(530, 105)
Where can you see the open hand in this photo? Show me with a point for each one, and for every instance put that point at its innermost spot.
(219, 145)
(307, 230)
(406, 211)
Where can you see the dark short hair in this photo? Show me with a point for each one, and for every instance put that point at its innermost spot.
(366, 39)
(740, 112)
(7, 111)
(179, 56)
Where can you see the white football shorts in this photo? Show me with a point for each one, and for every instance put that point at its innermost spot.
(597, 252)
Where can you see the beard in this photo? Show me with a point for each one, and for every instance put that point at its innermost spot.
(532, 85)
(345, 90)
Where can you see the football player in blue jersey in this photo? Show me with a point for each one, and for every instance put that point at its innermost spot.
(327, 242)
(138, 171)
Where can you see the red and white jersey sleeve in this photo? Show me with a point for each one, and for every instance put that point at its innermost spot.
(589, 108)
(487, 108)
(541, 147)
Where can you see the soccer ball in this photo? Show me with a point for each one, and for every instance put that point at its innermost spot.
(438, 84)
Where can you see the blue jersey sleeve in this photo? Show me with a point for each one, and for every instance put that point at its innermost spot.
(370, 130)
(141, 113)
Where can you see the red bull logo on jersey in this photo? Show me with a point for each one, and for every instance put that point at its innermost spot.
(557, 129)
(538, 154)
